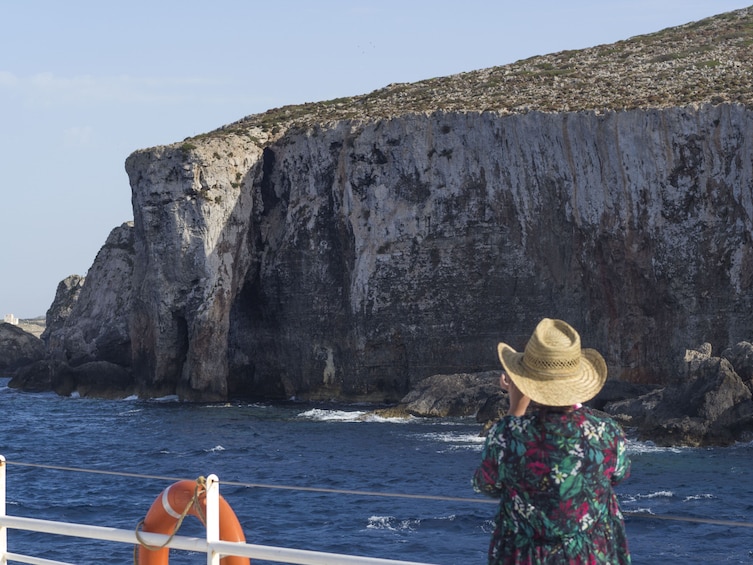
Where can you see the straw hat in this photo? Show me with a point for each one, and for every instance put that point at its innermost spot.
(554, 370)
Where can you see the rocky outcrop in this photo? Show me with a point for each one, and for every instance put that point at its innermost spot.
(443, 396)
(88, 320)
(66, 296)
(479, 395)
(195, 250)
(99, 379)
(18, 348)
(88, 344)
(711, 406)
(38, 376)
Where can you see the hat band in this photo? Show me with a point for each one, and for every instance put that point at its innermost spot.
(552, 367)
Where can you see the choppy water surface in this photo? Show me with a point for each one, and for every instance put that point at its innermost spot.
(340, 448)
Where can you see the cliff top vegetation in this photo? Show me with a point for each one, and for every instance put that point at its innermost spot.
(708, 61)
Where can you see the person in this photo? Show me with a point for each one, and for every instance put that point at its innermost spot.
(552, 462)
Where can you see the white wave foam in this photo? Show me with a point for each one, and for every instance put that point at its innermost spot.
(488, 526)
(391, 523)
(741, 445)
(215, 449)
(635, 447)
(698, 497)
(639, 510)
(450, 518)
(658, 494)
(641, 498)
(651, 495)
(458, 441)
(372, 417)
(322, 415)
(453, 421)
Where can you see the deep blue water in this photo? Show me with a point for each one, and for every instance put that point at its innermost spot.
(333, 448)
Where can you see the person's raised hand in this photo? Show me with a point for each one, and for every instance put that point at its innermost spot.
(518, 401)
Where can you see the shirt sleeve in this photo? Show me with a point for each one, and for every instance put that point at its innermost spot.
(622, 463)
(486, 477)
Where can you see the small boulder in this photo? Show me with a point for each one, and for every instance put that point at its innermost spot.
(615, 391)
(443, 396)
(101, 379)
(36, 376)
(740, 356)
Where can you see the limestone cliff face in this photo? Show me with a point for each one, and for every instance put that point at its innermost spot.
(352, 258)
(66, 296)
(88, 321)
(193, 249)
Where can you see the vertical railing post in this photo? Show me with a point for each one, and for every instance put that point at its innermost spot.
(3, 529)
(213, 518)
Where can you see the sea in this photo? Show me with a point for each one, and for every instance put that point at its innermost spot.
(390, 488)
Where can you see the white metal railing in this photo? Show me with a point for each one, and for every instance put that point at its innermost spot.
(212, 546)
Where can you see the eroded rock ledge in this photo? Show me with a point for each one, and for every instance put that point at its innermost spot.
(709, 403)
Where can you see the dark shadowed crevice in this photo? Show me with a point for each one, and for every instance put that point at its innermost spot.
(268, 195)
(181, 344)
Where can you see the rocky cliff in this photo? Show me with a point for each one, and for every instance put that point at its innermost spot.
(353, 257)
(86, 345)
(351, 248)
(88, 320)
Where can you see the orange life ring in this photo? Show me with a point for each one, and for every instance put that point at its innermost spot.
(167, 509)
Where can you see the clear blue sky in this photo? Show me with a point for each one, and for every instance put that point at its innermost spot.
(85, 83)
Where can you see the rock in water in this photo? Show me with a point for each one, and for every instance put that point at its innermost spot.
(18, 348)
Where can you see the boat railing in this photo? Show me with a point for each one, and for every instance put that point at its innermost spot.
(211, 545)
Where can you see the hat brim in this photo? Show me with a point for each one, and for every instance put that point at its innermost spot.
(559, 391)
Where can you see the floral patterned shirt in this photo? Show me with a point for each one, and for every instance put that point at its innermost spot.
(553, 473)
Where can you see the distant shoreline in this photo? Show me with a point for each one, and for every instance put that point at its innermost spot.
(34, 326)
